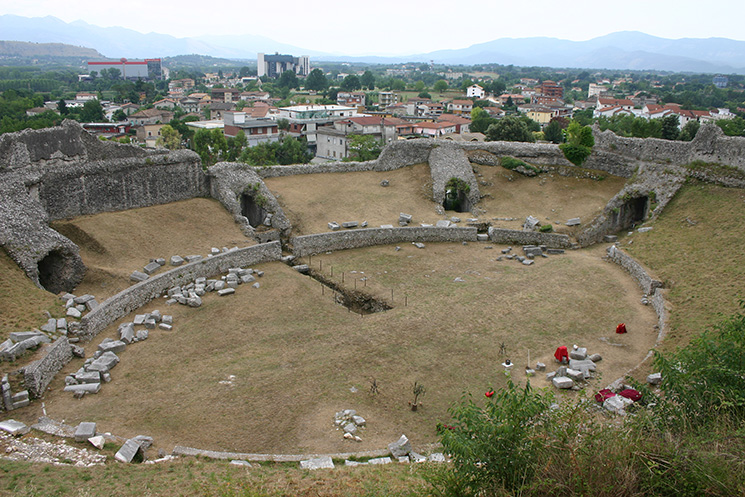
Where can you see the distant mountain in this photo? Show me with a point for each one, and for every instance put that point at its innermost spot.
(622, 50)
(27, 49)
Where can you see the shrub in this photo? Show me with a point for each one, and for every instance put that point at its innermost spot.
(511, 163)
(546, 228)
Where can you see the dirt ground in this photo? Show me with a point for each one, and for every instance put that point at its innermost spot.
(296, 356)
(114, 244)
(311, 201)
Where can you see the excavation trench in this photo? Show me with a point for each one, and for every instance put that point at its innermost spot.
(354, 300)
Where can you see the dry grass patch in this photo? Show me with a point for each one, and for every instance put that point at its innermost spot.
(697, 249)
(549, 197)
(22, 304)
(113, 244)
(311, 201)
(295, 354)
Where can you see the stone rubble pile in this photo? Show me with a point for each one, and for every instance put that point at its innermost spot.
(581, 367)
(35, 450)
(191, 293)
(175, 260)
(531, 252)
(97, 369)
(350, 423)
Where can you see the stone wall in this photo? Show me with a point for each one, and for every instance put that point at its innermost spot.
(141, 293)
(647, 284)
(39, 374)
(343, 240)
(520, 237)
(446, 162)
(709, 145)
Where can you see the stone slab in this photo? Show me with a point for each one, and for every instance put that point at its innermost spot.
(317, 463)
(128, 451)
(84, 431)
(15, 428)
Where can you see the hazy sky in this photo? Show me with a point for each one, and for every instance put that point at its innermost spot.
(388, 27)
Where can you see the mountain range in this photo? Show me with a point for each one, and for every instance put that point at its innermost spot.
(618, 51)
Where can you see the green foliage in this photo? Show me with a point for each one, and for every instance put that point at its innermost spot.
(509, 128)
(363, 148)
(351, 82)
(440, 85)
(367, 80)
(169, 138)
(511, 163)
(553, 132)
(288, 79)
(732, 127)
(210, 144)
(287, 151)
(689, 131)
(458, 185)
(546, 228)
(480, 120)
(494, 447)
(704, 382)
(579, 143)
(670, 127)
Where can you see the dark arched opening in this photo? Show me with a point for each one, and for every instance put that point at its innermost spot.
(52, 270)
(631, 212)
(252, 210)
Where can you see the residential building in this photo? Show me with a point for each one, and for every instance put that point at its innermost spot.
(386, 98)
(551, 89)
(475, 91)
(257, 131)
(434, 130)
(305, 120)
(596, 90)
(166, 103)
(226, 95)
(333, 141)
(462, 124)
(218, 109)
(351, 99)
(107, 130)
(720, 81)
(149, 134)
(150, 116)
(85, 97)
(189, 104)
(274, 65)
(459, 107)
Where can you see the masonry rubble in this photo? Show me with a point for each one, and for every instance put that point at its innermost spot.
(350, 423)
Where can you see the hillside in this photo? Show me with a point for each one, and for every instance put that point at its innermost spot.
(28, 49)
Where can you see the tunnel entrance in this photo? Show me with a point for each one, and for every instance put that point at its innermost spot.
(52, 269)
(252, 211)
(456, 200)
(632, 211)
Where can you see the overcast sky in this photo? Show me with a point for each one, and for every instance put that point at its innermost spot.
(395, 27)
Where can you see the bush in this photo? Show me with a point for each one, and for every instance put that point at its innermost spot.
(576, 154)
(494, 447)
(511, 163)
(546, 228)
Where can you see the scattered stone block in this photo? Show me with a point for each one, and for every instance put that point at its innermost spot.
(404, 219)
(580, 353)
(238, 462)
(15, 428)
(317, 463)
(654, 378)
(562, 382)
(88, 377)
(98, 441)
(138, 276)
(115, 346)
(302, 268)
(527, 262)
(352, 464)
(20, 336)
(359, 420)
(443, 223)
(417, 458)
(644, 229)
(128, 451)
(581, 365)
(166, 319)
(386, 226)
(62, 324)
(575, 374)
(193, 258)
(573, 222)
(84, 431)
(350, 428)
(350, 224)
(334, 226)
(610, 238)
(380, 460)
(83, 388)
(482, 237)
(226, 291)
(73, 313)
(617, 404)
(104, 363)
(385, 183)
(532, 251)
(555, 251)
(539, 366)
(176, 260)
(151, 268)
(437, 457)
(50, 326)
(91, 304)
(400, 447)
(531, 223)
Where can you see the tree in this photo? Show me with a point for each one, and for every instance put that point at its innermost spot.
(424, 94)
(350, 83)
(670, 127)
(480, 120)
(209, 144)
(169, 138)
(288, 79)
(62, 107)
(119, 115)
(398, 84)
(368, 80)
(553, 132)
(579, 143)
(689, 131)
(292, 151)
(363, 148)
(235, 146)
(440, 86)
(510, 128)
(92, 112)
(316, 80)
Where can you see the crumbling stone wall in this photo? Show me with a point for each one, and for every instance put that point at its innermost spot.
(520, 237)
(231, 180)
(709, 145)
(448, 161)
(39, 374)
(63, 172)
(141, 293)
(349, 239)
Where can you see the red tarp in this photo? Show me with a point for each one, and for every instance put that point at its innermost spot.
(562, 354)
(604, 394)
(621, 328)
(632, 394)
